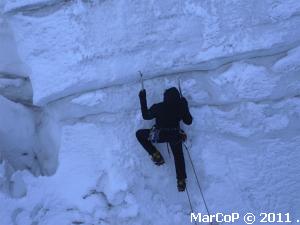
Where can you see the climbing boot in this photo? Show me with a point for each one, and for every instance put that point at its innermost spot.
(157, 158)
(181, 185)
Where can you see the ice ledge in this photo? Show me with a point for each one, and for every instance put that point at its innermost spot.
(68, 52)
(133, 77)
(267, 56)
(28, 5)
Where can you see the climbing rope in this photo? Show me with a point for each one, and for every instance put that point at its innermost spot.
(168, 149)
(191, 206)
(199, 186)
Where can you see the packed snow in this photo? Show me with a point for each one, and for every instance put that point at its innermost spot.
(69, 109)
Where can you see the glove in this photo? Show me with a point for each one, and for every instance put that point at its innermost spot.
(142, 93)
(183, 106)
(183, 102)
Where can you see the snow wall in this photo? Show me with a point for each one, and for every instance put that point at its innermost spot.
(69, 75)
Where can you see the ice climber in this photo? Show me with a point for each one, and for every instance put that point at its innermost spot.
(168, 115)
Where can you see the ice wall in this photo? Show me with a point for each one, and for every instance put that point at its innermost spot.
(82, 45)
(14, 81)
(26, 144)
(29, 136)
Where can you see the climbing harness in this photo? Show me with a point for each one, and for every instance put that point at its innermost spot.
(154, 134)
(183, 136)
(155, 131)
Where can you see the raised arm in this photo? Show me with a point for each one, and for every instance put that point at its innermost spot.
(148, 114)
(185, 112)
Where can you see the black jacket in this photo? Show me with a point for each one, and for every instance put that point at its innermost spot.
(168, 113)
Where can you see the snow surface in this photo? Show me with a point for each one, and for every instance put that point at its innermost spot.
(72, 157)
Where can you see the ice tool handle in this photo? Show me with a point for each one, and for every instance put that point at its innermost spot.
(142, 80)
(179, 87)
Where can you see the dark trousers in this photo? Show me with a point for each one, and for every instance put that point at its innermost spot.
(175, 143)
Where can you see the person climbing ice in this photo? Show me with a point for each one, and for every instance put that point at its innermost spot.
(168, 115)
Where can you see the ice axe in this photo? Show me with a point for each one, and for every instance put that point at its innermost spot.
(142, 80)
(179, 87)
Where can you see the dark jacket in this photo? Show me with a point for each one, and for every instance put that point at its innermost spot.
(168, 113)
